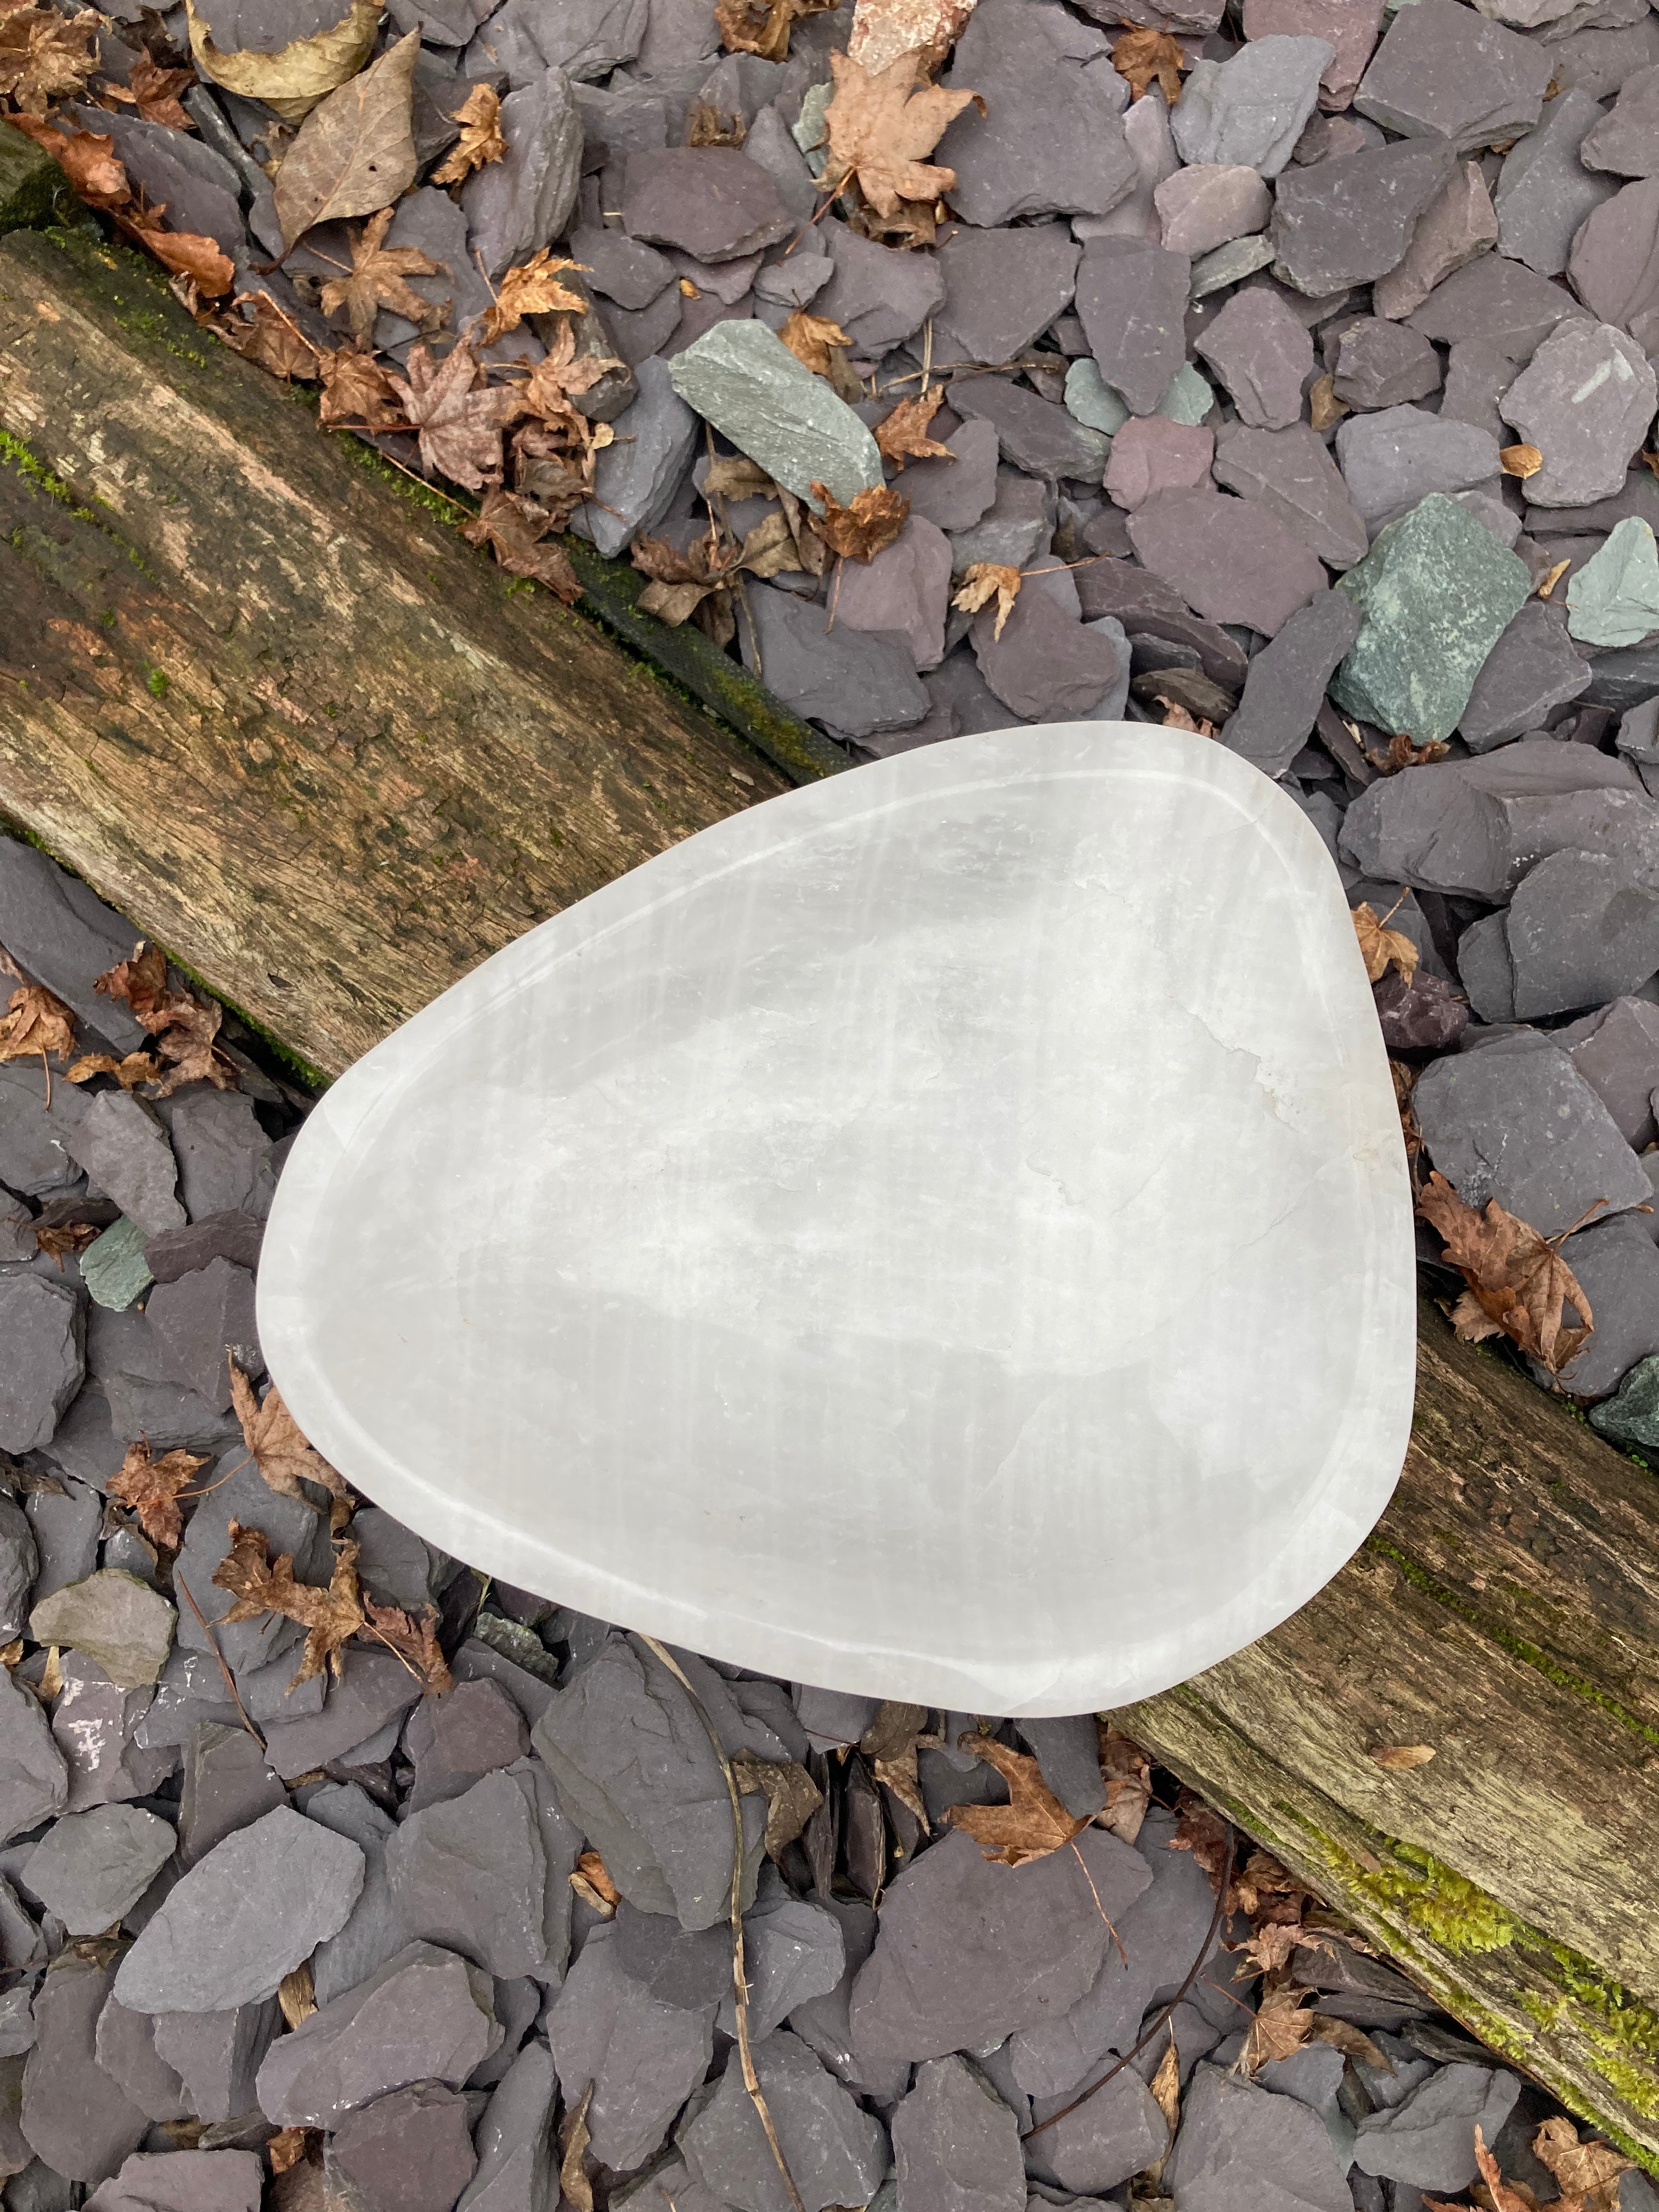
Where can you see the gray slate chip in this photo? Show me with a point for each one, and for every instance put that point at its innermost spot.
(1616, 1050)
(426, 2015)
(471, 1873)
(521, 203)
(643, 2056)
(202, 1322)
(1232, 560)
(1264, 356)
(1626, 140)
(183, 2181)
(372, 1933)
(878, 297)
(1287, 683)
(1292, 474)
(1383, 364)
(516, 2163)
(75, 2117)
(62, 934)
(1238, 2144)
(710, 200)
(124, 1149)
(793, 1951)
(1532, 669)
(1068, 1753)
(1585, 400)
(1546, 190)
(837, 2153)
(92, 1867)
(1427, 2141)
(961, 1961)
(1119, 2132)
(956, 2144)
(1251, 110)
(20, 1564)
(226, 1783)
(636, 476)
(223, 1153)
(125, 2044)
(1017, 526)
(1002, 288)
(744, 380)
(1391, 459)
(1581, 929)
(857, 681)
(217, 2055)
(1349, 220)
(245, 1915)
(469, 1731)
(1498, 301)
(1132, 300)
(1051, 140)
(1612, 265)
(1526, 1129)
(1616, 1264)
(408, 2152)
(1457, 225)
(585, 38)
(1444, 71)
(1035, 434)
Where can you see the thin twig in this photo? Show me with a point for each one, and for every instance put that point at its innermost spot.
(1166, 2013)
(739, 1978)
(179, 1582)
(1099, 1907)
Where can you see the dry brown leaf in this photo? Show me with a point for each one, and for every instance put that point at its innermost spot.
(1518, 1281)
(561, 375)
(271, 337)
(1280, 2024)
(1030, 1825)
(1552, 577)
(45, 56)
(512, 528)
(36, 1021)
(354, 152)
(415, 1642)
(156, 91)
(296, 1994)
(532, 288)
(1522, 461)
(210, 271)
(792, 1796)
(591, 1880)
(1177, 717)
(86, 157)
(357, 391)
(11, 1653)
(1127, 1773)
(812, 339)
(1204, 1833)
(1381, 947)
(184, 1026)
(1353, 2042)
(330, 1617)
(278, 1448)
(1588, 2172)
(576, 2189)
(1165, 2085)
(377, 279)
(859, 532)
(985, 581)
(890, 1744)
(877, 128)
(460, 427)
(481, 139)
(292, 80)
(134, 1068)
(1402, 752)
(287, 2148)
(710, 127)
(58, 1240)
(1146, 58)
(1324, 408)
(1504, 2198)
(735, 477)
(140, 983)
(763, 27)
(1397, 1757)
(902, 435)
(150, 1487)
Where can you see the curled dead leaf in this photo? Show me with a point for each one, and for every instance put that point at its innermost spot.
(591, 1882)
(357, 391)
(278, 1448)
(271, 336)
(1397, 1757)
(858, 532)
(985, 581)
(763, 27)
(331, 1617)
(792, 1796)
(481, 139)
(45, 56)
(1147, 57)
(709, 127)
(151, 1488)
(1522, 461)
(514, 529)
(1587, 2172)
(811, 339)
(297, 77)
(1381, 947)
(86, 157)
(1324, 408)
(296, 1994)
(532, 288)
(287, 2147)
(1518, 1283)
(460, 421)
(36, 1021)
(1030, 1825)
(378, 279)
(574, 2185)
(1280, 2024)
(1127, 1773)
(902, 435)
(1552, 576)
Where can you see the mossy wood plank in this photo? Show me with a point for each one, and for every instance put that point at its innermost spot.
(329, 753)
(1505, 1612)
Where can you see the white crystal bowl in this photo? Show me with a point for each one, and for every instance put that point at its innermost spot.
(942, 1234)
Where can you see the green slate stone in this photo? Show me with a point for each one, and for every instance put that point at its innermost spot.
(1631, 1416)
(1613, 599)
(115, 1619)
(1229, 264)
(29, 180)
(1091, 400)
(1436, 592)
(1189, 398)
(742, 378)
(114, 1269)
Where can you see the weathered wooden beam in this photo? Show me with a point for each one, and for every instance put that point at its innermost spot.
(329, 757)
(253, 692)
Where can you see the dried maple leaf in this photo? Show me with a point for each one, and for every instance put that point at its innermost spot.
(330, 1617)
(985, 581)
(150, 1487)
(878, 128)
(763, 27)
(1588, 2172)
(1281, 2025)
(378, 280)
(140, 983)
(415, 1642)
(1381, 947)
(1030, 1825)
(591, 1880)
(859, 531)
(481, 139)
(183, 1025)
(57, 1240)
(1398, 1757)
(710, 127)
(532, 288)
(156, 91)
(890, 1744)
(1518, 1281)
(45, 56)
(902, 435)
(36, 1021)
(512, 527)
(1127, 1773)
(136, 1067)
(1146, 56)
(86, 157)
(812, 339)
(460, 427)
(357, 391)
(275, 1444)
(271, 337)
(792, 1796)
(1522, 461)
(562, 375)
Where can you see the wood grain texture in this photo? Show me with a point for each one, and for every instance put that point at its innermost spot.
(1505, 1611)
(329, 753)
